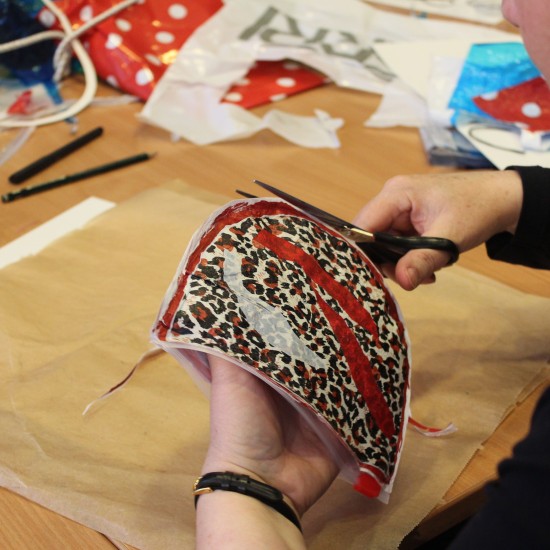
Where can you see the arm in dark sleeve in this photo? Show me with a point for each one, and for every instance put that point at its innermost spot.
(516, 515)
(530, 246)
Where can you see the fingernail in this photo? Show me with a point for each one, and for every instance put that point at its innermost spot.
(414, 278)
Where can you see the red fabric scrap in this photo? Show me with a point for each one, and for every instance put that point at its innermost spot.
(527, 103)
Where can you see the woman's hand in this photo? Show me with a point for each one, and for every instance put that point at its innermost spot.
(466, 207)
(255, 431)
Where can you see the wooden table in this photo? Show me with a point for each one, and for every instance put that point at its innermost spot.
(339, 180)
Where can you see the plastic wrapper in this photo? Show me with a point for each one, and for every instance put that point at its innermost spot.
(486, 11)
(276, 292)
(446, 146)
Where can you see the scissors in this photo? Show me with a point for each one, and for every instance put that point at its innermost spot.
(379, 246)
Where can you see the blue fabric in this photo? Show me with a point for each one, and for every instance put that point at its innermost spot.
(32, 64)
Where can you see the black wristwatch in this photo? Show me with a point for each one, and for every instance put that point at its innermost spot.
(239, 483)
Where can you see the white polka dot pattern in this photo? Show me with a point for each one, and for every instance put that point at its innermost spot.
(526, 104)
(132, 50)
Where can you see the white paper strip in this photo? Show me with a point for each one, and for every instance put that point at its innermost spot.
(37, 239)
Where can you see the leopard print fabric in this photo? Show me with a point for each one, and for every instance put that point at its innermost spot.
(279, 292)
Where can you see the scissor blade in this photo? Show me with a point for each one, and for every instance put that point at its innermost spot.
(245, 194)
(376, 253)
(322, 215)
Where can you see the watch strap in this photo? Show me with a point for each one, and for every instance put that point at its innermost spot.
(245, 485)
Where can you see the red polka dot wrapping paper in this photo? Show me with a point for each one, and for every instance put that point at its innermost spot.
(527, 104)
(269, 81)
(132, 49)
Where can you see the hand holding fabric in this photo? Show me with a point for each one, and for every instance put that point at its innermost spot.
(257, 432)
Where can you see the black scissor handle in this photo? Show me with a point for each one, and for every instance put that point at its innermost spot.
(401, 244)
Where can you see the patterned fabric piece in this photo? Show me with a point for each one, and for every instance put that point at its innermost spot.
(276, 292)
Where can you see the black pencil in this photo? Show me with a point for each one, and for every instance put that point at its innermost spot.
(51, 158)
(90, 172)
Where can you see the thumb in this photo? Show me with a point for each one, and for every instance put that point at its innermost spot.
(418, 267)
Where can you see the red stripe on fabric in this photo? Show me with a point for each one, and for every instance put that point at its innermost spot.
(359, 364)
(360, 369)
(347, 301)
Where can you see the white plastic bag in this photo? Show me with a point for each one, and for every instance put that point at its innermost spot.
(335, 38)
